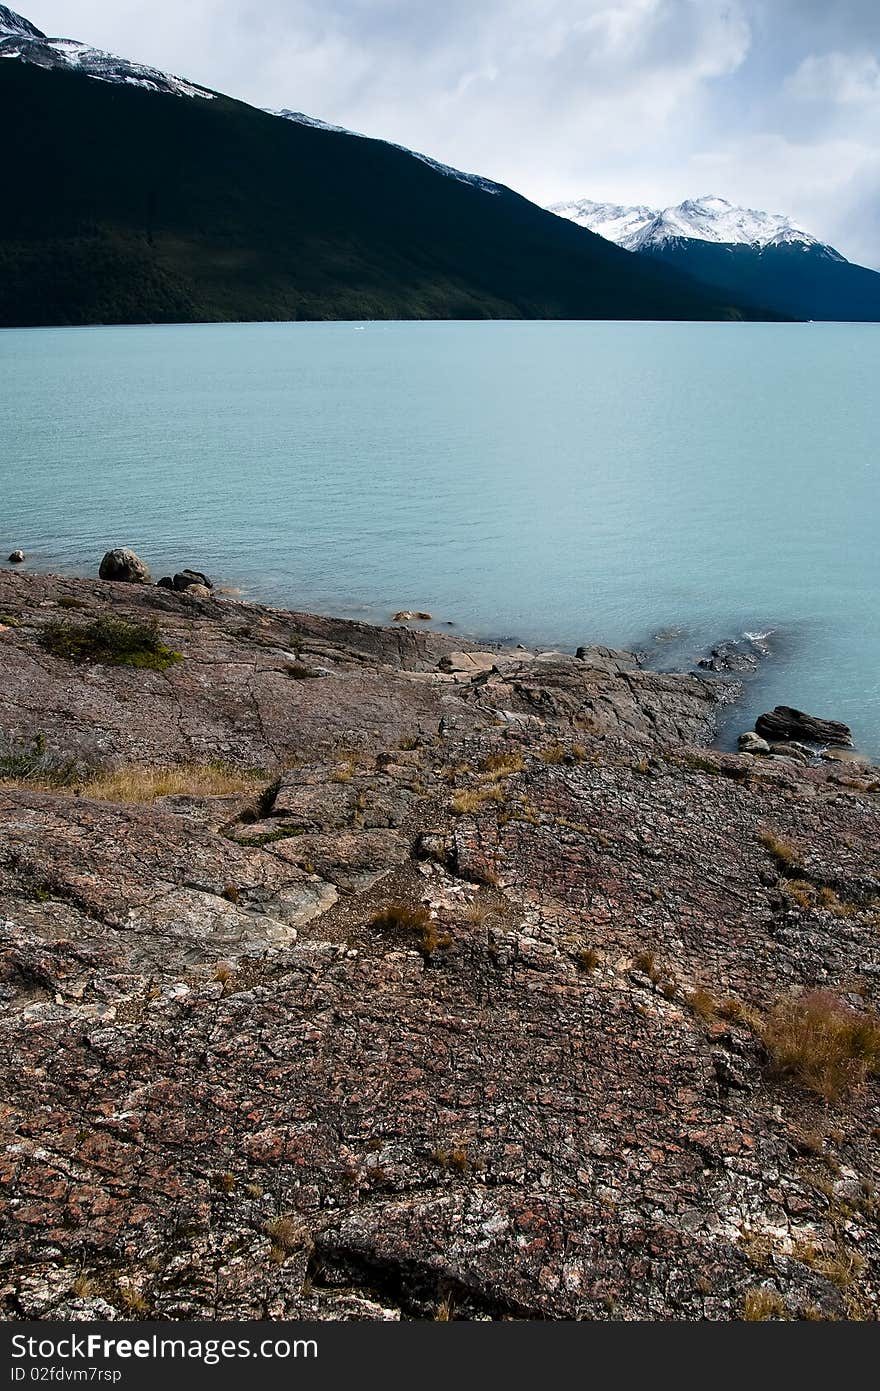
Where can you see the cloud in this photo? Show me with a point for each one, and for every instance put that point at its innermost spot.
(771, 102)
(851, 79)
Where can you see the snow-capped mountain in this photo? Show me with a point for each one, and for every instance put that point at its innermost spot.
(762, 258)
(710, 219)
(123, 206)
(23, 40)
(611, 220)
(475, 180)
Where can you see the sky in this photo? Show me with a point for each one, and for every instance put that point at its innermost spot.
(774, 104)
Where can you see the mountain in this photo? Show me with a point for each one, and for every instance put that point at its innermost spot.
(475, 180)
(21, 39)
(131, 195)
(709, 219)
(762, 257)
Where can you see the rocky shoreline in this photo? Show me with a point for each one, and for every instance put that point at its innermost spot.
(440, 980)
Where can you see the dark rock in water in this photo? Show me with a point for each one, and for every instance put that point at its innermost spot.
(731, 656)
(166, 582)
(185, 578)
(123, 564)
(16, 558)
(784, 724)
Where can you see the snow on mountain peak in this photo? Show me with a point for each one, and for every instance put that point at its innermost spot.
(475, 180)
(12, 23)
(711, 218)
(21, 39)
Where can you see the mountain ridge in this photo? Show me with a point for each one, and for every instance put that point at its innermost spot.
(22, 40)
(765, 257)
(127, 203)
(709, 218)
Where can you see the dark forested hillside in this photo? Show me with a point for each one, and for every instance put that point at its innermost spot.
(802, 282)
(124, 205)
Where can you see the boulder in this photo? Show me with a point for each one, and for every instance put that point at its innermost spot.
(16, 557)
(433, 845)
(750, 742)
(410, 616)
(786, 750)
(786, 723)
(123, 564)
(197, 591)
(166, 582)
(185, 579)
(468, 664)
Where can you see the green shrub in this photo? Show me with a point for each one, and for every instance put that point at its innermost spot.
(112, 641)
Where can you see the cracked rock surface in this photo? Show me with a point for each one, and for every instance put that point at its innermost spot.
(536, 1088)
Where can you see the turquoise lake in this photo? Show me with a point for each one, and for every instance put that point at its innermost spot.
(550, 483)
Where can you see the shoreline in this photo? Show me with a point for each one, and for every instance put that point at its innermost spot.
(713, 661)
(340, 972)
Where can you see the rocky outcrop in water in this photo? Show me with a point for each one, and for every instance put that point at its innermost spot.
(786, 723)
(455, 1003)
(124, 565)
(735, 655)
(186, 579)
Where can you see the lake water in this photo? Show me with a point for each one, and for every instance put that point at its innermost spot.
(553, 483)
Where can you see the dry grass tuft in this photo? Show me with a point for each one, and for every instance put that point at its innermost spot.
(843, 1268)
(503, 765)
(821, 1043)
(398, 916)
(782, 851)
(457, 1158)
(434, 938)
(132, 1301)
(471, 799)
(413, 920)
(646, 961)
(762, 1304)
(476, 913)
(800, 892)
(134, 783)
(225, 976)
(735, 1011)
(287, 1235)
(703, 1003)
(809, 897)
(553, 753)
(445, 1310)
(587, 959)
